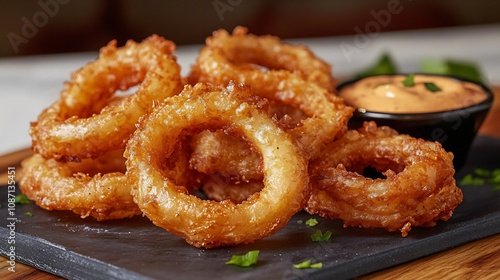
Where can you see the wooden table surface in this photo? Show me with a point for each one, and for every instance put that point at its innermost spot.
(476, 260)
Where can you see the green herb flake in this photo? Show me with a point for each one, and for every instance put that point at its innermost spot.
(21, 199)
(318, 236)
(245, 260)
(409, 81)
(495, 176)
(482, 176)
(29, 214)
(431, 87)
(311, 222)
(470, 179)
(300, 222)
(308, 264)
(495, 172)
(317, 265)
(482, 172)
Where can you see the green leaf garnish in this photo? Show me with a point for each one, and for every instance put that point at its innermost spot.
(245, 260)
(318, 236)
(316, 265)
(460, 69)
(470, 179)
(482, 176)
(308, 264)
(434, 66)
(383, 66)
(495, 176)
(481, 172)
(409, 80)
(432, 87)
(21, 199)
(312, 222)
(29, 214)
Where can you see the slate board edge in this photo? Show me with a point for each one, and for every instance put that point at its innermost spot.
(64, 263)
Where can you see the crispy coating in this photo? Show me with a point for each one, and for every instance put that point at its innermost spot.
(206, 156)
(94, 187)
(418, 190)
(219, 188)
(80, 125)
(208, 223)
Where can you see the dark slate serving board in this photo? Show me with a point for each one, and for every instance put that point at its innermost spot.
(63, 244)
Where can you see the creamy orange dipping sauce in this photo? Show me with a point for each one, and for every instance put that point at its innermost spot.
(388, 94)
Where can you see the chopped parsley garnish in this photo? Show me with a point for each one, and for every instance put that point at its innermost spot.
(312, 222)
(495, 176)
(482, 172)
(482, 176)
(29, 214)
(22, 199)
(409, 80)
(470, 179)
(245, 260)
(308, 264)
(318, 236)
(432, 87)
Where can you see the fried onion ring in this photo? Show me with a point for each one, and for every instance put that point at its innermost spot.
(207, 223)
(247, 55)
(92, 187)
(418, 190)
(77, 126)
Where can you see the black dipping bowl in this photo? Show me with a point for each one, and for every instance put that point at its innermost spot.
(454, 129)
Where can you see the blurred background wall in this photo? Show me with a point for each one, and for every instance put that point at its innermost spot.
(56, 26)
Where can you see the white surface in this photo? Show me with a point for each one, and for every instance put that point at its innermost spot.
(30, 84)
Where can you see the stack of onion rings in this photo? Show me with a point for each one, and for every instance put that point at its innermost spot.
(258, 131)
